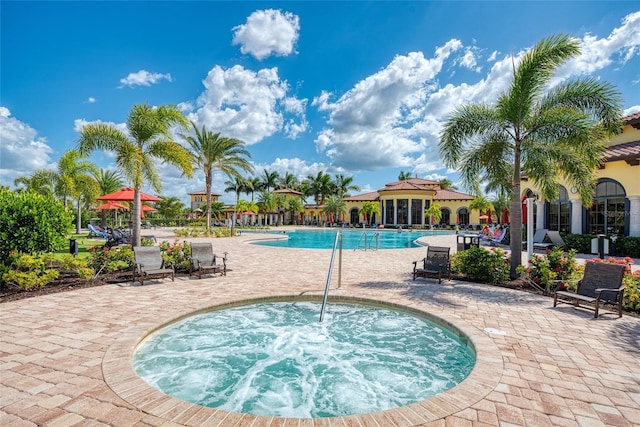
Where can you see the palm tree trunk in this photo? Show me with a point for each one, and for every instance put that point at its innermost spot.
(135, 220)
(78, 217)
(208, 191)
(516, 217)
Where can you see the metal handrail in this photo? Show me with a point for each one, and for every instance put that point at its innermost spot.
(365, 237)
(333, 256)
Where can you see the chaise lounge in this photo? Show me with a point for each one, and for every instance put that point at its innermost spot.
(149, 263)
(204, 261)
(436, 263)
(600, 283)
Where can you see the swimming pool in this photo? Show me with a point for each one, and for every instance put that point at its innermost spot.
(276, 359)
(351, 239)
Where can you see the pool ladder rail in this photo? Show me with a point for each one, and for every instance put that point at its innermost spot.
(337, 247)
(366, 241)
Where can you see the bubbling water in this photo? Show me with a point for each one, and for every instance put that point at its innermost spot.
(276, 359)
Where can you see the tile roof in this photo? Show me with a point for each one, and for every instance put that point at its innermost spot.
(288, 191)
(412, 184)
(626, 151)
(202, 192)
(632, 119)
(451, 195)
(364, 197)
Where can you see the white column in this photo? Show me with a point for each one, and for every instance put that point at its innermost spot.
(530, 227)
(409, 210)
(540, 215)
(395, 211)
(634, 216)
(576, 216)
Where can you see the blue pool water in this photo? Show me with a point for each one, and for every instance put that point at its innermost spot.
(276, 359)
(351, 239)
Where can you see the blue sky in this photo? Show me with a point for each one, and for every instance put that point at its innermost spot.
(357, 88)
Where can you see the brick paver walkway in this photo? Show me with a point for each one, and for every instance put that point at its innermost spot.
(65, 358)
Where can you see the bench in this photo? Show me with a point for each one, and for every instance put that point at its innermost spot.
(436, 263)
(601, 282)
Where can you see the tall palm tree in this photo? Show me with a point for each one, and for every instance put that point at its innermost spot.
(267, 203)
(481, 203)
(288, 181)
(500, 204)
(343, 184)
(369, 209)
(148, 139)
(402, 176)
(320, 186)
(334, 207)
(74, 180)
(42, 181)
(536, 131)
(236, 184)
(446, 184)
(296, 207)
(109, 182)
(214, 152)
(253, 184)
(269, 179)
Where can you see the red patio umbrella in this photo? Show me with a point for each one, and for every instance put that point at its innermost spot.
(146, 208)
(489, 221)
(111, 205)
(505, 216)
(126, 195)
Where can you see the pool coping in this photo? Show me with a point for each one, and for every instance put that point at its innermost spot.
(119, 374)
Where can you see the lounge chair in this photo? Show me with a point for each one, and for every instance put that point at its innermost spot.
(499, 240)
(539, 237)
(149, 262)
(95, 232)
(436, 263)
(203, 260)
(601, 282)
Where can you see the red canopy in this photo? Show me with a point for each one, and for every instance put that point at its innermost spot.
(126, 195)
(146, 208)
(489, 221)
(111, 205)
(505, 216)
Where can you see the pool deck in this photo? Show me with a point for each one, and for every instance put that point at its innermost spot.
(65, 358)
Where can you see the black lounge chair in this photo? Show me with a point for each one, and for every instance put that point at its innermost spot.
(601, 282)
(148, 263)
(203, 260)
(436, 263)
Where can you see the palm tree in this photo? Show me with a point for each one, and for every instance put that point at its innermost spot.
(253, 184)
(212, 151)
(320, 187)
(334, 207)
(74, 180)
(109, 182)
(237, 185)
(481, 203)
(343, 184)
(267, 203)
(500, 204)
(370, 208)
(170, 208)
(42, 181)
(434, 212)
(296, 207)
(288, 181)
(269, 179)
(403, 176)
(536, 131)
(446, 184)
(147, 140)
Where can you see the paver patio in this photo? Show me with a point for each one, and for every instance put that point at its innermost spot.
(65, 358)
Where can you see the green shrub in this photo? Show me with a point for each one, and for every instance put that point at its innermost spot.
(482, 265)
(628, 246)
(554, 265)
(31, 223)
(104, 259)
(29, 272)
(176, 254)
(580, 242)
(70, 264)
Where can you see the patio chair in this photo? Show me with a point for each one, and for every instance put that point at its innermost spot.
(436, 263)
(499, 240)
(601, 282)
(149, 263)
(539, 237)
(95, 232)
(203, 260)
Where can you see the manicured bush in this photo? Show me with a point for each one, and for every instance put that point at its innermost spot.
(580, 242)
(628, 246)
(28, 272)
(31, 223)
(177, 254)
(482, 265)
(554, 265)
(108, 260)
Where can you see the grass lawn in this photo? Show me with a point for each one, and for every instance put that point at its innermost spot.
(83, 243)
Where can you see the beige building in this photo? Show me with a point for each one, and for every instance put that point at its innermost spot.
(616, 203)
(199, 199)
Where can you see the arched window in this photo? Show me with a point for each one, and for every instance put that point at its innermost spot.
(559, 212)
(354, 218)
(446, 216)
(463, 216)
(607, 213)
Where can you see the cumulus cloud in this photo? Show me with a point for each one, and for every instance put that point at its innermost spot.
(91, 100)
(249, 105)
(22, 151)
(268, 32)
(143, 78)
(631, 110)
(371, 125)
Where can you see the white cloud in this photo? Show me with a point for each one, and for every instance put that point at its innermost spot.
(268, 32)
(372, 124)
(91, 100)
(631, 110)
(143, 78)
(493, 56)
(249, 105)
(22, 151)
(468, 60)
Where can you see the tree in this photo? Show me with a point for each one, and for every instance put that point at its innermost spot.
(343, 184)
(296, 207)
(253, 184)
(169, 207)
(334, 207)
(536, 131)
(74, 180)
(403, 176)
(31, 223)
(269, 179)
(481, 203)
(500, 204)
(109, 182)
(434, 213)
(42, 181)
(446, 184)
(288, 181)
(370, 208)
(147, 140)
(319, 186)
(237, 185)
(267, 203)
(214, 152)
